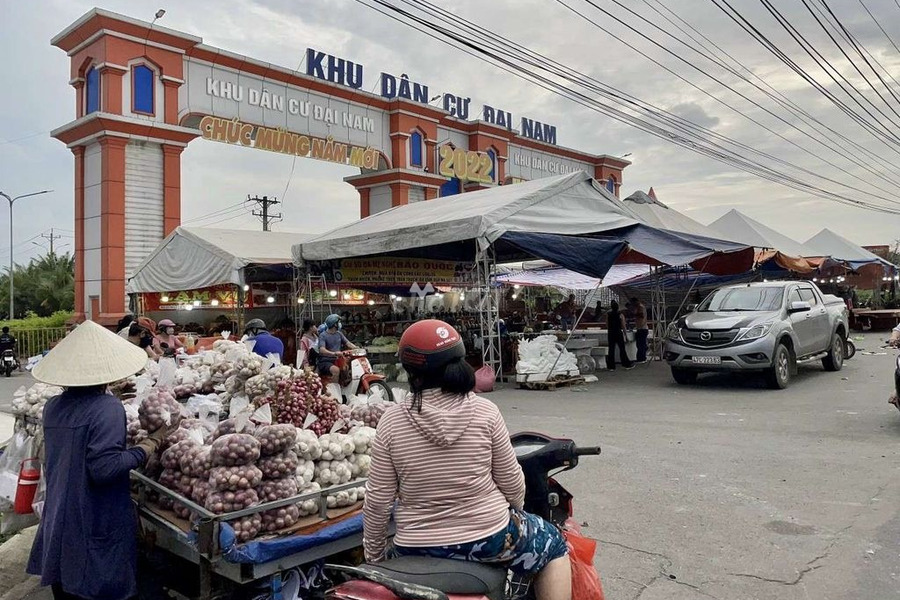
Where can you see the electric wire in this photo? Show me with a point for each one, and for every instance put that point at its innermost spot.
(703, 147)
(471, 27)
(714, 51)
(876, 130)
(733, 108)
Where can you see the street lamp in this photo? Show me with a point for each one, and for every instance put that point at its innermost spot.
(11, 202)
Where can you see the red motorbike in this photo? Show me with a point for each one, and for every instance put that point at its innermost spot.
(425, 578)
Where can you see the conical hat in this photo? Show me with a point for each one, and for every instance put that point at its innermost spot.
(90, 355)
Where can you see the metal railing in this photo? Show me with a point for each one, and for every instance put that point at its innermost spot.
(31, 342)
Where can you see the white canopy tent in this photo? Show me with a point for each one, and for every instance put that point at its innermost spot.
(656, 214)
(197, 257)
(828, 243)
(570, 204)
(564, 278)
(735, 225)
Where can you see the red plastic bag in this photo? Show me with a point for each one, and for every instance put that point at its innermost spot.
(484, 379)
(585, 580)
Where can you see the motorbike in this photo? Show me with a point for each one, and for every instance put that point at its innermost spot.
(423, 578)
(361, 380)
(8, 362)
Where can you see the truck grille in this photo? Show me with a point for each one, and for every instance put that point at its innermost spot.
(695, 337)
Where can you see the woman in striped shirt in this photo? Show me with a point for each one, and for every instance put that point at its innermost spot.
(444, 456)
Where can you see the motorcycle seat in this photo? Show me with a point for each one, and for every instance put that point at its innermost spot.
(448, 576)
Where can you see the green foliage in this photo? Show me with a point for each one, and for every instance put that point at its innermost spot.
(33, 321)
(44, 286)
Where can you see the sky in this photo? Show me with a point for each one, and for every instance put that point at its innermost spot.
(36, 98)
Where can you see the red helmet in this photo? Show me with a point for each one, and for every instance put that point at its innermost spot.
(430, 344)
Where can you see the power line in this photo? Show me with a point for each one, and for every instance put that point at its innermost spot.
(698, 145)
(727, 105)
(228, 209)
(713, 52)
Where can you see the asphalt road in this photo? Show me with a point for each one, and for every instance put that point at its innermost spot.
(729, 490)
(726, 489)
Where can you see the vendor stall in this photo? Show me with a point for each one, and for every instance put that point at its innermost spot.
(570, 220)
(212, 280)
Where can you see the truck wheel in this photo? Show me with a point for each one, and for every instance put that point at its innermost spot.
(834, 360)
(684, 376)
(778, 376)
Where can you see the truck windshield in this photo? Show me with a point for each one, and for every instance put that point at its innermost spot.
(743, 299)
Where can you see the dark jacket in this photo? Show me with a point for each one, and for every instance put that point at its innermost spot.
(86, 541)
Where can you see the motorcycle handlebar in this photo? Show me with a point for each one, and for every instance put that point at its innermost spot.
(587, 451)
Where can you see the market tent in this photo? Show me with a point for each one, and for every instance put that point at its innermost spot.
(775, 250)
(656, 214)
(735, 225)
(828, 243)
(564, 278)
(548, 218)
(197, 257)
(569, 204)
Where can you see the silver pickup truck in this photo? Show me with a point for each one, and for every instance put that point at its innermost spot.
(764, 327)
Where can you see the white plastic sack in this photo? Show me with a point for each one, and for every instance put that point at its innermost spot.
(540, 354)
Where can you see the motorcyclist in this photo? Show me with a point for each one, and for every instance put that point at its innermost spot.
(7, 341)
(331, 343)
(445, 457)
(265, 342)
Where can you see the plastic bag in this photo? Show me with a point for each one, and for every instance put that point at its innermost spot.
(585, 579)
(484, 379)
(18, 448)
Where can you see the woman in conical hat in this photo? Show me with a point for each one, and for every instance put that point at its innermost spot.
(86, 544)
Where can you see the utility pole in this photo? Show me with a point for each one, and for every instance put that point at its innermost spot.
(51, 237)
(265, 202)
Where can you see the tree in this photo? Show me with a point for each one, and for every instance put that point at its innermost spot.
(42, 287)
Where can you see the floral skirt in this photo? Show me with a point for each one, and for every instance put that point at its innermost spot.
(524, 547)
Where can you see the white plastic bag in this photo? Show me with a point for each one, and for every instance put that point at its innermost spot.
(19, 447)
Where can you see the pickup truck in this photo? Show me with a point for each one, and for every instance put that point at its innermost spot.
(765, 327)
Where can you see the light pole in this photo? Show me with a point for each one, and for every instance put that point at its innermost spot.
(11, 201)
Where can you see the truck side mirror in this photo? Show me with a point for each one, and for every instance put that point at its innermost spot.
(799, 306)
(691, 307)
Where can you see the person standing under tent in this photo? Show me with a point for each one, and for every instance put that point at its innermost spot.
(86, 543)
(615, 325)
(166, 337)
(566, 313)
(308, 344)
(641, 332)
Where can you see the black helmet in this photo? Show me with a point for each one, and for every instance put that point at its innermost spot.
(255, 324)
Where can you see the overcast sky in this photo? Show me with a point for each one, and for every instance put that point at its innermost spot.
(36, 98)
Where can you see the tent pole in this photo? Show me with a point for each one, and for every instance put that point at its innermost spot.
(572, 331)
(488, 313)
(658, 301)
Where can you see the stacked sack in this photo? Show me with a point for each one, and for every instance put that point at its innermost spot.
(232, 479)
(278, 466)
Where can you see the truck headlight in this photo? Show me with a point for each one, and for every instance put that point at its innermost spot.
(756, 332)
(673, 332)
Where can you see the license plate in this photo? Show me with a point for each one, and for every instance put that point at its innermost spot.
(706, 360)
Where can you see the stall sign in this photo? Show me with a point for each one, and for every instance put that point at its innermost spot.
(232, 131)
(388, 271)
(218, 297)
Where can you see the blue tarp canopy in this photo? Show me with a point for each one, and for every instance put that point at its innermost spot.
(595, 255)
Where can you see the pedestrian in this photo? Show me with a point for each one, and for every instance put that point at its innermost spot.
(566, 313)
(86, 544)
(615, 326)
(641, 332)
(308, 344)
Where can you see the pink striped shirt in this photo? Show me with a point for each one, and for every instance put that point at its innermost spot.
(451, 469)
